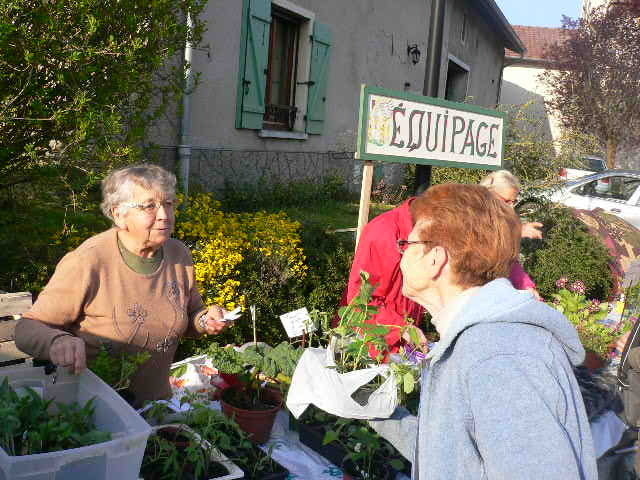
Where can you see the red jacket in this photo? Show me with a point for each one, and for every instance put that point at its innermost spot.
(377, 254)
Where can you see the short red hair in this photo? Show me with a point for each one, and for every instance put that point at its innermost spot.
(480, 232)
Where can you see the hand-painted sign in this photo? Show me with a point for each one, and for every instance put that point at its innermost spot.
(404, 127)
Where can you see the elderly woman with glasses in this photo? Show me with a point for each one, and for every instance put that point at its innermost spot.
(131, 288)
(499, 398)
(506, 187)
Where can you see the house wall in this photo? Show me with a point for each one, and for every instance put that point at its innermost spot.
(482, 52)
(520, 85)
(369, 45)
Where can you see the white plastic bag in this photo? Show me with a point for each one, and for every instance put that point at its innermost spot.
(314, 382)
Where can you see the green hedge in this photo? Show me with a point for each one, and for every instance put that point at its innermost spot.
(567, 250)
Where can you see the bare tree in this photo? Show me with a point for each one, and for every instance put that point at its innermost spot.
(594, 76)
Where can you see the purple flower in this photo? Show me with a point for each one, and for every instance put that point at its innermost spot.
(562, 282)
(578, 287)
(414, 355)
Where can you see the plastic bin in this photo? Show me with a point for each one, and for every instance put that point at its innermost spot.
(235, 472)
(118, 459)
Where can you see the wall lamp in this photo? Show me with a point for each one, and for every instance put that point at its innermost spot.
(414, 53)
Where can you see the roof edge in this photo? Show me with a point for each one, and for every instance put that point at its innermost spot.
(511, 39)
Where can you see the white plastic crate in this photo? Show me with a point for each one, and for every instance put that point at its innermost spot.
(118, 459)
(235, 472)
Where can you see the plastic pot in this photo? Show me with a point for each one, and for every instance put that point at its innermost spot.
(256, 423)
(312, 436)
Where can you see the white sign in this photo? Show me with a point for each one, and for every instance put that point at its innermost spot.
(297, 323)
(402, 127)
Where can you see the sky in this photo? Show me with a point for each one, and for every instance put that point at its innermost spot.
(539, 13)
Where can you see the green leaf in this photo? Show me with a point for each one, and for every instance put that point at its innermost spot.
(330, 436)
(408, 382)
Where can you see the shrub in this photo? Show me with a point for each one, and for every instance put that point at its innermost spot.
(245, 197)
(243, 259)
(33, 239)
(567, 249)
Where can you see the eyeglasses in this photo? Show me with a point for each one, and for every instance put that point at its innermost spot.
(404, 244)
(509, 202)
(151, 208)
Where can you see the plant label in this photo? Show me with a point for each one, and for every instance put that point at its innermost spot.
(297, 323)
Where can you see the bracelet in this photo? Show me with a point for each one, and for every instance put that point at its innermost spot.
(202, 321)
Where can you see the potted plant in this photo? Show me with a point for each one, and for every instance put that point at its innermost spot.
(261, 374)
(587, 316)
(117, 368)
(227, 436)
(175, 451)
(337, 439)
(369, 456)
(30, 427)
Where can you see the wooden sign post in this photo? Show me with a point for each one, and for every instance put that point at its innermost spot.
(402, 127)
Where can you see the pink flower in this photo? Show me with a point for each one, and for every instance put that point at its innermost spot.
(562, 282)
(578, 287)
(594, 307)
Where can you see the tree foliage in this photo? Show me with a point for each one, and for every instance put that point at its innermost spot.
(594, 79)
(82, 80)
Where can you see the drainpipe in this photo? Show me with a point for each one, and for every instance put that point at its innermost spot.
(184, 148)
(432, 77)
(506, 64)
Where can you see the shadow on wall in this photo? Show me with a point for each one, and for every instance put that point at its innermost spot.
(513, 94)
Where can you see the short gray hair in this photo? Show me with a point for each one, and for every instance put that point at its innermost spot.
(502, 178)
(117, 187)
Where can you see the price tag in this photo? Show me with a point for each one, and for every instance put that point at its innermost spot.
(297, 323)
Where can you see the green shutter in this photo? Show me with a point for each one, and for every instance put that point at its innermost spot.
(319, 74)
(254, 55)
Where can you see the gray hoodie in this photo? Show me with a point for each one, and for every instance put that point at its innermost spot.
(500, 400)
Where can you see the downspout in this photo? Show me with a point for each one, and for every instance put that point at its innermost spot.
(184, 148)
(506, 64)
(432, 77)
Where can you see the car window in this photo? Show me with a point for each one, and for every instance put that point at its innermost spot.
(595, 164)
(612, 188)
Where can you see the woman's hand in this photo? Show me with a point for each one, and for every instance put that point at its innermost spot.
(68, 351)
(212, 323)
(531, 230)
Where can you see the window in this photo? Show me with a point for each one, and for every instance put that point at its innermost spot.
(283, 70)
(457, 80)
(611, 188)
(280, 110)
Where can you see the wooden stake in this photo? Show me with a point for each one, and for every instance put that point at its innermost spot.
(365, 198)
(252, 309)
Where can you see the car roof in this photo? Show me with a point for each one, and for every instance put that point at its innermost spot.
(605, 173)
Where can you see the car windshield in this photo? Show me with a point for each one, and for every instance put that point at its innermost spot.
(594, 164)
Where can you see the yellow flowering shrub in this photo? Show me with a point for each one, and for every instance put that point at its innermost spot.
(235, 253)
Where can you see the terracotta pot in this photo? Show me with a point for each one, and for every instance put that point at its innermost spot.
(593, 361)
(257, 423)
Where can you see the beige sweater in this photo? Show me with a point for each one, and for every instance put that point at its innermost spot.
(93, 294)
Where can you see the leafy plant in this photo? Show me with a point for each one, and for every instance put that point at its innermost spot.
(367, 453)
(176, 452)
(356, 334)
(587, 316)
(116, 369)
(224, 434)
(28, 427)
(567, 249)
(254, 367)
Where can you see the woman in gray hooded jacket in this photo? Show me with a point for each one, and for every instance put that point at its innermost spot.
(499, 398)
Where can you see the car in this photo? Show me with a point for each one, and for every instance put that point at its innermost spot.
(590, 165)
(615, 191)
